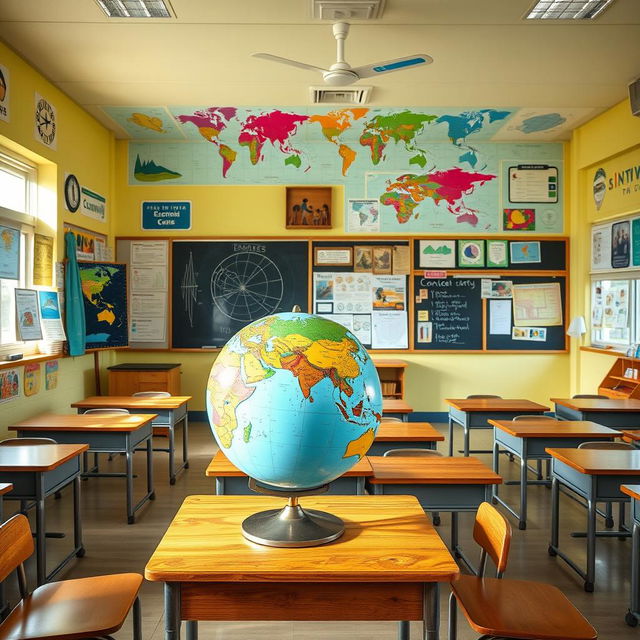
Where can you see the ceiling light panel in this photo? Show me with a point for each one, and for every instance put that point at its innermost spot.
(135, 8)
(567, 9)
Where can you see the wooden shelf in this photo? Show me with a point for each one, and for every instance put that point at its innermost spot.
(616, 384)
(391, 373)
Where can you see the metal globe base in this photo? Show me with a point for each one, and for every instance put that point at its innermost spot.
(291, 526)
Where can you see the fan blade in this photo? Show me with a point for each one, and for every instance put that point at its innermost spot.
(291, 63)
(375, 69)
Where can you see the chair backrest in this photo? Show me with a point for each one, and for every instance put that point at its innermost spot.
(151, 394)
(24, 442)
(107, 411)
(481, 395)
(390, 419)
(605, 445)
(531, 417)
(412, 452)
(590, 395)
(16, 544)
(492, 532)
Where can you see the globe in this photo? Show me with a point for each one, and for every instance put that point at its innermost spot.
(294, 400)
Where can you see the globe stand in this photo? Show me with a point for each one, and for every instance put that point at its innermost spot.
(291, 526)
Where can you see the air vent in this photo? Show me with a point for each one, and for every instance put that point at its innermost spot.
(340, 95)
(347, 9)
(567, 9)
(135, 8)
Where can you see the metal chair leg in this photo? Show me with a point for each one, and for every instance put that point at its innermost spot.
(137, 620)
(453, 618)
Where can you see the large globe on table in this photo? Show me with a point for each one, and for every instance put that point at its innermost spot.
(294, 400)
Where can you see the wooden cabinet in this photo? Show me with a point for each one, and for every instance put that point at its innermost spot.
(129, 378)
(617, 385)
(391, 373)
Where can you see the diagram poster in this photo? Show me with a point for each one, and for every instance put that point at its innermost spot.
(537, 305)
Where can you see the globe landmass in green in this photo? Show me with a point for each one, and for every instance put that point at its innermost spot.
(294, 400)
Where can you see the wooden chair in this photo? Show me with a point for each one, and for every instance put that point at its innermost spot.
(511, 609)
(157, 431)
(68, 610)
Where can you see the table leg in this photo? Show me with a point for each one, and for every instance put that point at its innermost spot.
(172, 473)
(405, 417)
(404, 630)
(633, 615)
(555, 506)
(450, 437)
(77, 522)
(219, 486)
(192, 629)
(185, 440)
(431, 620)
(591, 539)
(496, 469)
(171, 611)
(522, 522)
(41, 554)
(130, 514)
(150, 491)
(466, 440)
(360, 486)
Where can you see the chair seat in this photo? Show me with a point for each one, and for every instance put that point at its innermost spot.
(73, 609)
(520, 609)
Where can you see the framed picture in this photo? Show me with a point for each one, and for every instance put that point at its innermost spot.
(524, 252)
(333, 256)
(471, 253)
(382, 259)
(620, 244)
(362, 258)
(308, 207)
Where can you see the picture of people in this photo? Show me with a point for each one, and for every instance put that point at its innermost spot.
(620, 244)
(308, 207)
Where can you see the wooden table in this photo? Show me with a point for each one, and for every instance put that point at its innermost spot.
(440, 484)
(38, 471)
(596, 475)
(611, 412)
(633, 615)
(104, 433)
(396, 408)
(528, 440)
(632, 436)
(231, 481)
(5, 487)
(386, 565)
(474, 413)
(169, 412)
(399, 435)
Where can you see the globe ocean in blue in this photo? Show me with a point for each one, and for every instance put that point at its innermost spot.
(294, 400)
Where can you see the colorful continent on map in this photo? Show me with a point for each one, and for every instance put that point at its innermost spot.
(275, 127)
(93, 282)
(211, 123)
(7, 239)
(400, 127)
(147, 122)
(333, 125)
(448, 186)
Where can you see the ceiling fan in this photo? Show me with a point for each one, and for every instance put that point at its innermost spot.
(341, 72)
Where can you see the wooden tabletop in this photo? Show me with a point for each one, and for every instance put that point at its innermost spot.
(631, 434)
(386, 539)
(407, 432)
(431, 470)
(382, 363)
(131, 402)
(632, 490)
(84, 422)
(554, 428)
(496, 405)
(395, 405)
(599, 461)
(38, 457)
(598, 404)
(222, 467)
(5, 487)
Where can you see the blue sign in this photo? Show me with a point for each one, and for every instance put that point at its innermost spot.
(166, 216)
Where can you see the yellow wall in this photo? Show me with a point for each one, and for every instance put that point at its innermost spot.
(85, 148)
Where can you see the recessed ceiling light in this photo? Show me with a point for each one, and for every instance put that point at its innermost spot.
(135, 8)
(567, 9)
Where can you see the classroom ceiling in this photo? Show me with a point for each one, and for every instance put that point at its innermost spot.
(485, 54)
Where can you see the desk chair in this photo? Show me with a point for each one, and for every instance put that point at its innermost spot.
(481, 396)
(510, 609)
(70, 609)
(85, 456)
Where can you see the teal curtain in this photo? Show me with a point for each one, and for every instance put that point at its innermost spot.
(74, 304)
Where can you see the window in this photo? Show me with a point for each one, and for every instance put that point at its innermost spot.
(18, 184)
(613, 316)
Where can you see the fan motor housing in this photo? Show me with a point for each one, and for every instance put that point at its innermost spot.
(340, 77)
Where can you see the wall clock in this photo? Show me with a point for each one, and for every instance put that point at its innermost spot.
(45, 122)
(72, 193)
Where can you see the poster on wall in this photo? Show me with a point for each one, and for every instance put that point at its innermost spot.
(51, 375)
(28, 325)
(31, 378)
(620, 244)
(601, 247)
(5, 91)
(89, 245)
(42, 260)
(9, 253)
(9, 385)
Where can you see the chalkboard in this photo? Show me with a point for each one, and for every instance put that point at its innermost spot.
(218, 287)
(452, 312)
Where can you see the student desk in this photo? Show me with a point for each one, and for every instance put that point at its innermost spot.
(611, 412)
(386, 565)
(37, 471)
(528, 440)
(440, 484)
(400, 435)
(474, 413)
(5, 487)
(231, 481)
(396, 408)
(103, 433)
(633, 615)
(169, 413)
(596, 475)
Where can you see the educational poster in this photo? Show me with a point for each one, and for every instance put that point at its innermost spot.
(534, 334)
(51, 374)
(601, 247)
(5, 94)
(620, 244)
(497, 253)
(519, 220)
(89, 245)
(524, 252)
(363, 214)
(471, 253)
(31, 378)
(537, 305)
(437, 254)
(388, 292)
(50, 316)
(28, 325)
(9, 253)
(9, 384)
(342, 292)
(42, 260)
(389, 330)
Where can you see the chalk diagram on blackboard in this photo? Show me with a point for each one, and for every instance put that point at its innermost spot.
(189, 287)
(247, 286)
